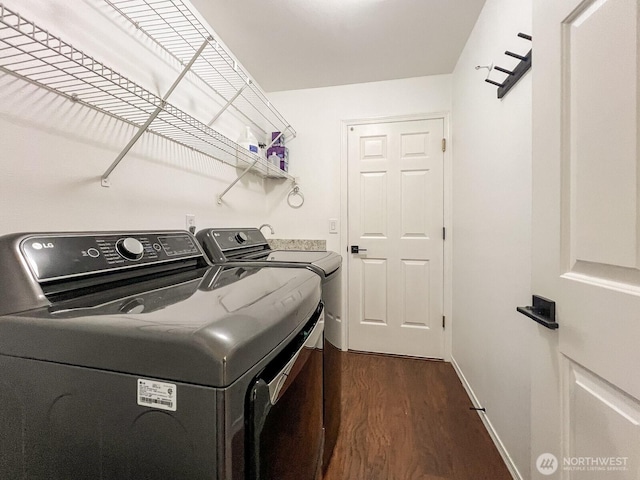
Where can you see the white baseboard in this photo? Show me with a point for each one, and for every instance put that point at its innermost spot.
(487, 423)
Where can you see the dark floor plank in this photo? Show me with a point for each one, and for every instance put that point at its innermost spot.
(409, 419)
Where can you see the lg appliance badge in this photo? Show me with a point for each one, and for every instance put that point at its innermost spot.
(40, 246)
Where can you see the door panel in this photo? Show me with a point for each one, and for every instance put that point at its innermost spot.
(585, 233)
(374, 292)
(416, 276)
(373, 206)
(415, 190)
(415, 144)
(601, 423)
(396, 214)
(374, 148)
(601, 152)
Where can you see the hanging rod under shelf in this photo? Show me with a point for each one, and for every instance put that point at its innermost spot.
(32, 53)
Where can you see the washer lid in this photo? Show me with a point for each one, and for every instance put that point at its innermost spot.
(211, 333)
(326, 261)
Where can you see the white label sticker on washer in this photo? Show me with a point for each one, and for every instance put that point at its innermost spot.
(154, 394)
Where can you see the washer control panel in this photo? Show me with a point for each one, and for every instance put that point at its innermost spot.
(229, 239)
(53, 257)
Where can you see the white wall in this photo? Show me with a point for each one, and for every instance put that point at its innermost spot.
(491, 226)
(54, 150)
(315, 155)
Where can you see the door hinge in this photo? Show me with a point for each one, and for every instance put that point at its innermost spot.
(443, 321)
(444, 144)
(444, 233)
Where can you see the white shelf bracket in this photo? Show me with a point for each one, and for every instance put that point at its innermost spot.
(246, 170)
(281, 135)
(104, 180)
(229, 102)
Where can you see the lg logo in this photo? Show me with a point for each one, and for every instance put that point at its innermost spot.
(40, 246)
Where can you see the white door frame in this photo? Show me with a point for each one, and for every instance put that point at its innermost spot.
(344, 217)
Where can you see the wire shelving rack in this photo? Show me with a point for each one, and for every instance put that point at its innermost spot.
(177, 30)
(36, 55)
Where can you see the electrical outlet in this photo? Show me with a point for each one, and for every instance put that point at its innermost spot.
(333, 225)
(191, 223)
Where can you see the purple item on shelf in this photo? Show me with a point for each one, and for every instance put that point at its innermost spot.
(280, 141)
(283, 153)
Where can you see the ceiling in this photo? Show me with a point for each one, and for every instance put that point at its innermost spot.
(294, 44)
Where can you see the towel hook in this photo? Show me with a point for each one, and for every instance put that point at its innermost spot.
(488, 67)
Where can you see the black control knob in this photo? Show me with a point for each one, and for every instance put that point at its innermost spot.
(130, 248)
(133, 306)
(241, 237)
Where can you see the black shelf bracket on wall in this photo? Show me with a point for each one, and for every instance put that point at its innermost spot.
(513, 76)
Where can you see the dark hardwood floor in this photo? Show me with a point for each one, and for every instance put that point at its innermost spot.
(409, 419)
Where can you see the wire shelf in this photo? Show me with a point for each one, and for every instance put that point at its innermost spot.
(176, 29)
(32, 53)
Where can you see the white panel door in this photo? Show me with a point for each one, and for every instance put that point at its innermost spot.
(396, 214)
(586, 245)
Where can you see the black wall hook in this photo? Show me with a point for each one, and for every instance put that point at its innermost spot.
(504, 70)
(517, 73)
(515, 55)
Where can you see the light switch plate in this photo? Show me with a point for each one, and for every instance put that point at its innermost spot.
(333, 225)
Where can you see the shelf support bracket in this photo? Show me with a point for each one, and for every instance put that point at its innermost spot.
(246, 170)
(104, 181)
(229, 102)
